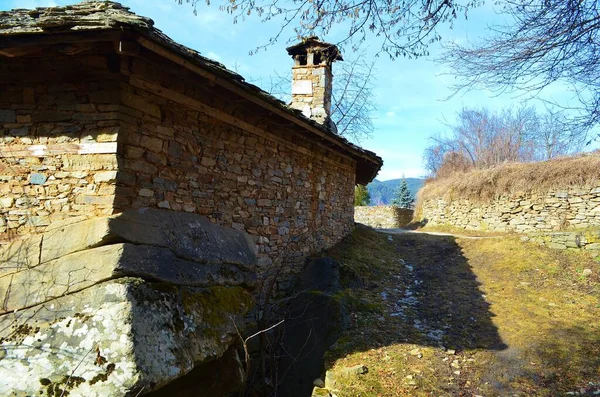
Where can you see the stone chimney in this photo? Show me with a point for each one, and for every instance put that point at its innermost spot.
(312, 78)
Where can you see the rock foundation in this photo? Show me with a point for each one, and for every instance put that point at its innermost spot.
(117, 305)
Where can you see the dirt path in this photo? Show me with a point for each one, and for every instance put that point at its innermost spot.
(445, 316)
(434, 233)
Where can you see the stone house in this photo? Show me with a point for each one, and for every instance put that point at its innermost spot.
(101, 112)
(142, 189)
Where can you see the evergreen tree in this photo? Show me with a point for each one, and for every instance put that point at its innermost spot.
(361, 196)
(402, 196)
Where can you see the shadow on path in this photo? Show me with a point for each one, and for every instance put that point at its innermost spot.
(410, 288)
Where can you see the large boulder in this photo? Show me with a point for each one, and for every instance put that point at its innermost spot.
(121, 305)
(158, 245)
(117, 338)
(82, 269)
(189, 236)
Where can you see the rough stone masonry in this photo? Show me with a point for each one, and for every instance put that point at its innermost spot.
(109, 114)
(383, 216)
(533, 212)
(560, 219)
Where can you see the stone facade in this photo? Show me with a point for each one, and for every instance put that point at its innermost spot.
(88, 131)
(167, 156)
(274, 190)
(58, 149)
(574, 208)
(383, 216)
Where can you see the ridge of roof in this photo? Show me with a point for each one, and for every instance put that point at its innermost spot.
(91, 15)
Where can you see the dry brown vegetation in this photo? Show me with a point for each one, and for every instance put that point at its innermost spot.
(516, 178)
(490, 317)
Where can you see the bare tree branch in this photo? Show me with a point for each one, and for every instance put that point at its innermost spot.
(401, 28)
(546, 41)
(481, 138)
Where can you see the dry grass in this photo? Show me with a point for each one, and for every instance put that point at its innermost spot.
(460, 232)
(522, 319)
(517, 178)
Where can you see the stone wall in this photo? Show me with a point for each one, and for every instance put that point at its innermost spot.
(95, 135)
(58, 132)
(523, 213)
(257, 181)
(383, 216)
(587, 239)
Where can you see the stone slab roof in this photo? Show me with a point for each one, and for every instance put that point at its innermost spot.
(96, 15)
(313, 41)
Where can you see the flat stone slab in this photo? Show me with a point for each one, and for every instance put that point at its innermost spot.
(116, 338)
(189, 236)
(74, 272)
(20, 254)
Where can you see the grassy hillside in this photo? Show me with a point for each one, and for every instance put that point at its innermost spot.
(382, 193)
(509, 178)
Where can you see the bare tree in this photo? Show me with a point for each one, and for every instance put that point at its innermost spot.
(545, 41)
(433, 158)
(485, 138)
(554, 139)
(353, 100)
(481, 138)
(402, 28)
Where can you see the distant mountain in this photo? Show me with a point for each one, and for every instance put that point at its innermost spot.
(382, 193)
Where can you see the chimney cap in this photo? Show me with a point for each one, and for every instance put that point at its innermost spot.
(314, 42)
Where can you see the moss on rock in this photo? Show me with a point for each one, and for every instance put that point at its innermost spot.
(217, 303)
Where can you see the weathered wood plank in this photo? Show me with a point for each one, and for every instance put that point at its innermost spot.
(57, 149)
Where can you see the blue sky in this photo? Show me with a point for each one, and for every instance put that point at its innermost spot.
(409, 94)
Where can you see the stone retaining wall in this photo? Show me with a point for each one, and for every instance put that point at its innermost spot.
(575, 208)
(587, 239)
(383, 216)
